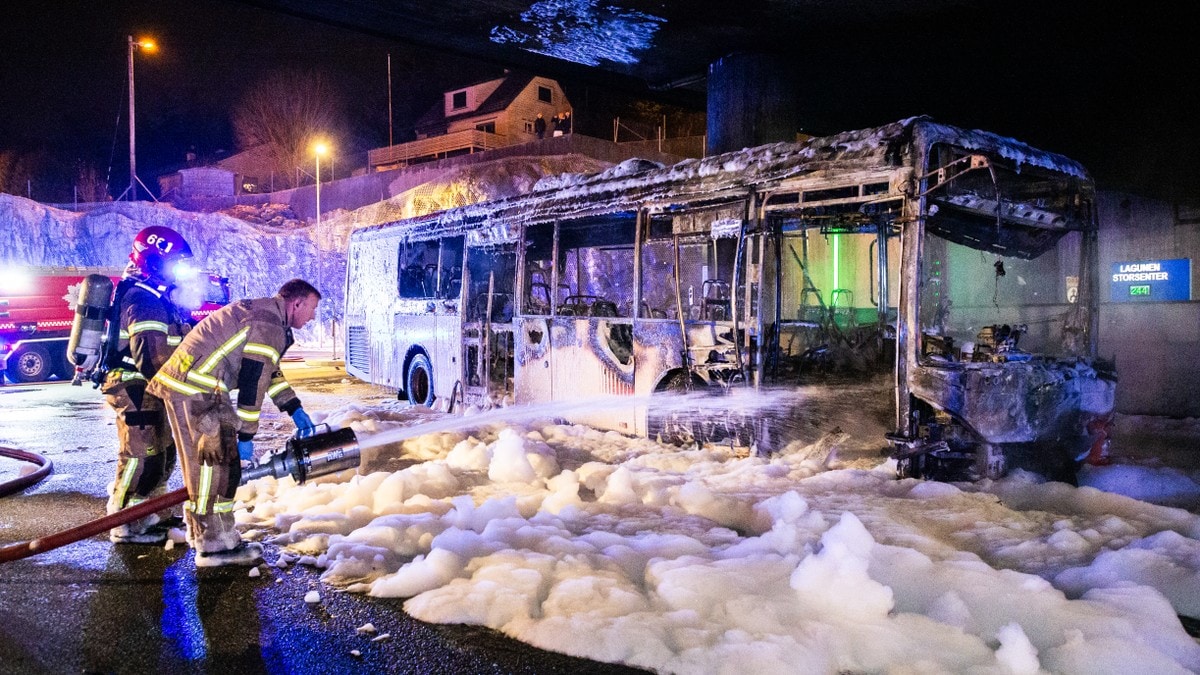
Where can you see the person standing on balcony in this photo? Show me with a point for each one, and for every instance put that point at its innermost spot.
(539, 126)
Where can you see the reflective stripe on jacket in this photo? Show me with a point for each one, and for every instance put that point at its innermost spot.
(151, 327)
(237, 347)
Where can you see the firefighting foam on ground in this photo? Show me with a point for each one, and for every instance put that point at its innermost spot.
(697, 559)
(686, 559)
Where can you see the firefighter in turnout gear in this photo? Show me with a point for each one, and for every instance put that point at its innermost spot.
(237, 348)
(144, 327)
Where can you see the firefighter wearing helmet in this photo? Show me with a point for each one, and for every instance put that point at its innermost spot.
(144, 328)
(237, 348)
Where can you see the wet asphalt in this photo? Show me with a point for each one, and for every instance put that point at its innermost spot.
(92, 607)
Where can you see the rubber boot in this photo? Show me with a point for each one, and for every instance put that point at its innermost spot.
(246, 553)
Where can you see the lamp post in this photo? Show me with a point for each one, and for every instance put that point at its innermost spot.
(149, 46)
(321, 148)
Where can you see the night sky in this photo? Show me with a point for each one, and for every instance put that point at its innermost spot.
(63, 79)
(1113, 87)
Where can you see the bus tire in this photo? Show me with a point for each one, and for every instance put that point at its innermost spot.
(676, 425)
(419, 381)
(30, 363)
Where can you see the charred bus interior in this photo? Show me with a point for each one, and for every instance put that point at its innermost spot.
(487, 328)
(774, 291)
(834, 253)
(1004, 374)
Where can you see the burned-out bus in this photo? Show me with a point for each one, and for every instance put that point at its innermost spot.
(957, 267)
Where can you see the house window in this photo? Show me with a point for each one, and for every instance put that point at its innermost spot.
(458, 100)
(545, 95)
(488, 127)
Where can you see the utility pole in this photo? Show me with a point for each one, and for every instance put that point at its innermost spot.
(389, 74)
(132, 133)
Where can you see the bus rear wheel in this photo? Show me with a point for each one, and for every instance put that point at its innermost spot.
(419, 382)
(673, 420)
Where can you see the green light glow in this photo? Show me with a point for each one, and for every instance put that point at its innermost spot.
(836, 268)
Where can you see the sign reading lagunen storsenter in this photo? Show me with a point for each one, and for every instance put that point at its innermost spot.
(1152, 281)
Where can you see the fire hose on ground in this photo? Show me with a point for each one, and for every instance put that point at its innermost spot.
(18, 484)
(304, 458)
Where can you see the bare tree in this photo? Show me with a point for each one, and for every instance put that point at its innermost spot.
(286, 111)
(49, 178)
(17, 169)
(679, 121)
(90, 185)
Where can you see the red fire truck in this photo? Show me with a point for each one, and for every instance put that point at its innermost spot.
(36, 316)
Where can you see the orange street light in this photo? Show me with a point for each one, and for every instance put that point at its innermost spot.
(148, 46)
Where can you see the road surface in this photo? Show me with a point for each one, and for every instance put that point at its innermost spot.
(98, 608)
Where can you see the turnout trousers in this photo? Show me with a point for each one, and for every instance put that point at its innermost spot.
(205, 428)
(145, 454)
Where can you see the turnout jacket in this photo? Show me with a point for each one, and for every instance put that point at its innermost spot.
(236, 347)
(150, 328)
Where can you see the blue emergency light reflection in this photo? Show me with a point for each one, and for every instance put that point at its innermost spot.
(184, 271)
(181, 623)
(581, 31)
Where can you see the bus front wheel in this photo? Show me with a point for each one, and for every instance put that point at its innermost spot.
(419, 383)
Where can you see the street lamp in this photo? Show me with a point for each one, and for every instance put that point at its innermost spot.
(149, 46)
(320, 148)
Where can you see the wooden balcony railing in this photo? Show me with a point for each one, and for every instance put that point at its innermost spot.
(470, 140)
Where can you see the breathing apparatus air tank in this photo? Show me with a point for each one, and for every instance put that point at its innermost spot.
(87, 329)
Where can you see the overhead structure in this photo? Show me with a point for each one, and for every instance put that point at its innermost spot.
(856, 63)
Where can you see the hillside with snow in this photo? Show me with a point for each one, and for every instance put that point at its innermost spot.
(257, 253)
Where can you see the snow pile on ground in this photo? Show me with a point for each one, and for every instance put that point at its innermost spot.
(257, 258)
(623, 550)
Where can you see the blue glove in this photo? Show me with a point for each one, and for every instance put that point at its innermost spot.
(304, 423)
(246, 451)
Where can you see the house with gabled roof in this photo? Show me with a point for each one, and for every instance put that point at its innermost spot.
(482, 116)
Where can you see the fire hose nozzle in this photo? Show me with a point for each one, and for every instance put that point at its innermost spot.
(303, 458)
(314, 455)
